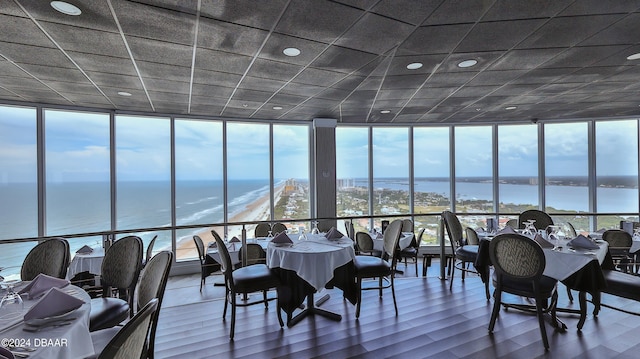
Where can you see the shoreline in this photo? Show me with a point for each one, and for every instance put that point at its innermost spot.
(257, 211)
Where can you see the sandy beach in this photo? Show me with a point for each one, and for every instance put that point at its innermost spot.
(255, 211)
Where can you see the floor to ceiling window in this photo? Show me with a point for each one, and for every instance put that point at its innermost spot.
(78, 181)
(199, 174)
(291, 172)
(352, 174)
(432, 181)
(143, 175)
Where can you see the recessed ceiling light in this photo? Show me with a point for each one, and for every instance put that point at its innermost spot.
(467, 63)
(66, 8)
(511, 107)
(414, 65)
(124, 93)
(277, 107)
(634, 57)
(385, 111)
(291, 51)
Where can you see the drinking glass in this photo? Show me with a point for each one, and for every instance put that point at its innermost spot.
(315, 229)
(529, 228)
(11, 305)
(270, 235)
(302, 236)
(553, 236)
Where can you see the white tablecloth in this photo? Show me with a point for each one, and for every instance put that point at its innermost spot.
(314, 260)
(562, 264)
(69, 341)
(404, 242)
(234, 250)
(91, 262)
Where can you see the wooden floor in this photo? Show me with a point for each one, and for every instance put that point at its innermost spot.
(433, 322)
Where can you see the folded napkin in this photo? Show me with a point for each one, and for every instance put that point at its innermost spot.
(85, 250)
(234, 240)
(506, 229)
(582, 242)
(41, 284)
(55, 303)
(543, 242)
(281, 238)
(334, 234)
(6, 354)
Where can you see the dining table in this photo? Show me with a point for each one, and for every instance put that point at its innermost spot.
(65, 336)
(305, 267)
(578, 269)
(404, 242)
(234, 249)
(86, 262)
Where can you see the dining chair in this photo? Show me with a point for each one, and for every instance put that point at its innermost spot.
(620, 242)
(262, 230)
(571, 230)
(119, 273)
(462, 254)
(255, 254)
(412, 251)
(518, 266)
(380, 267)
(543, 220)
(249, 279)
(278, 228)
(207, 266)
(50, 257)
(513, 223)
(152, 284)
(472, 236)
(129, 341)
(149, 252)
(364, 245)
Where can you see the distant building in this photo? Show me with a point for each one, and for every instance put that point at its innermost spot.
(290, 186)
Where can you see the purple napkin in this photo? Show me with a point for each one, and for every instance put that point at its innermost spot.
(54, 303)
(281, 238)
(234, 240)
(582, 242)
(543, 242)
(85, 250)
(334, 234)
(506, 229)
(6, 354)
(41, 284)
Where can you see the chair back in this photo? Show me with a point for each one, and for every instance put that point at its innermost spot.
(517, 257)
(620, 242)
(418, 239)
(364, 242)
(200, 247)
(262, 230)
(129, 340)
(122, 262)
(407, 225)
(571, 230)
(391, 238)
(149, 253)
(543, 220)
(454, 229)
(472, 236)
(278, 228)
(513, 223)
(50, 257)
(225, 259)
(255, 254)
(152, 284)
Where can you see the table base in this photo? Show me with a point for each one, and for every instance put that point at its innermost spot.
(311, 309)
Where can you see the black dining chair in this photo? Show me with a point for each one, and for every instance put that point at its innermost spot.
(245, 280)
(380, 267)
(542, 219)
(207, 266)
(50, 257)
(518, 266)
(413, 250)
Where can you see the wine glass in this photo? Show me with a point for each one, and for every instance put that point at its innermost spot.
(315, 229)
(302, 236)
(11, 305)
(529, 228)
(270, 235)
(553, 236)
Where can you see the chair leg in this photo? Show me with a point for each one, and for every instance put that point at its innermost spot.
(416, 260)
(393, 293)
(264, 297)
(233, 315)
(359, 300)
(453, 270)
(569, 294)
(497, 298)
(543, 329)
(279, 313)
(226, 302)
(380, 287)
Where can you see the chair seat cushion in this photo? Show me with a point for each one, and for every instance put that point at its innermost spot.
(467, 253)
(107, 313)
(547, 285)
(622, 284)
(369, 266)
(254, 278)
(409, 252)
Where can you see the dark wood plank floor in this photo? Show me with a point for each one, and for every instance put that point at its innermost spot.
(433, 322)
